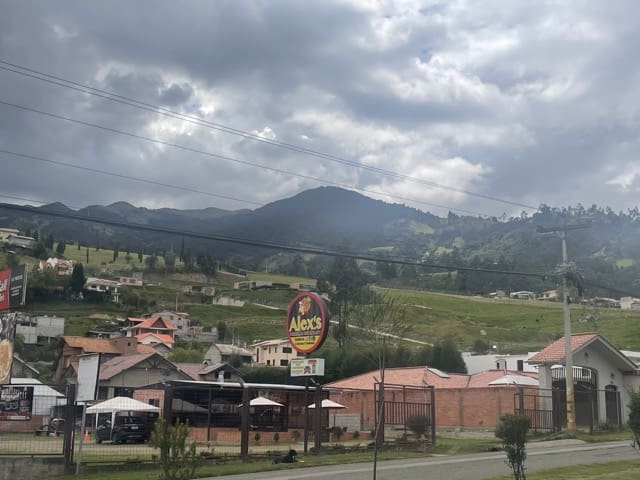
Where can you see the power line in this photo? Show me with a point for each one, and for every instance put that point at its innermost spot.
(230, 159)
(262, 244)
(127, 177)
(65, 83)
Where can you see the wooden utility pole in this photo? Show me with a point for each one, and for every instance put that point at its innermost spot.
(568, 357)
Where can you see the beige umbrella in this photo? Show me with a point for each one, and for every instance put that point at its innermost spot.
(326, 403)
(263, 402)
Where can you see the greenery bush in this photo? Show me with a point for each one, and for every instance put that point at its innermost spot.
(418, 424)
(177, 459)
(512, 430)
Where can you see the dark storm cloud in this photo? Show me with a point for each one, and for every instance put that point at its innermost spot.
(535, 102)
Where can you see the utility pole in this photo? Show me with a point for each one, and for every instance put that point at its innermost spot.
(568, 358)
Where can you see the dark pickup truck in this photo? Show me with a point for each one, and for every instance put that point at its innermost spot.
(132, 428)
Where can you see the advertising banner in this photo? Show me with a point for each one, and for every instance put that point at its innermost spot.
(5, 277)
(88, 371)
(16, 403)
(7, 334)
(18, 286)
(307, 367)
(307, 322)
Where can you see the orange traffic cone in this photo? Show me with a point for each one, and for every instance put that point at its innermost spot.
(86, 435)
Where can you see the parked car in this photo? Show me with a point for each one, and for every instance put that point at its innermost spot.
(129, 428)
(55, 426)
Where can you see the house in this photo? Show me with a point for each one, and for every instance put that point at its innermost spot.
(462, 400)
(154, 324)
(134, 281)
(162, 343)
(522, 295)
(206, 372)
(72, 347)
(120, 375)
(220, 352)
(5, 233)
(103, 286)
(40, 328)
(498, 294)
(204, 290)
(603, 377)
(274, 352)
(492, 361)
(605, 302)
(59, 265)
(21, 241)
(180, 320)
(549, 296)
(630, 303)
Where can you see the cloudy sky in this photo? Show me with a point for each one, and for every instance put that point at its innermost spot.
(529, 102)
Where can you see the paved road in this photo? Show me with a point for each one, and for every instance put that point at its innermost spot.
(460, 467)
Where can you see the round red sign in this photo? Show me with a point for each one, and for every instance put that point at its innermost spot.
(307, 322)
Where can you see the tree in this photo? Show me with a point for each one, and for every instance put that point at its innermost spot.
(60, 248)
(185, 355)
(151, 261)
(115, 253)
(170, 259)
(177, 459)
(77, 280)
(512, 430)
(634, 416)
(447, 357)
(222, 331)
(350, 289)
(40, 251)
(49, 241)
(378, 322)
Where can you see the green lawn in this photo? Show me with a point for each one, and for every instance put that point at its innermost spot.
(274, 277)
(103, 258)
(627, 470)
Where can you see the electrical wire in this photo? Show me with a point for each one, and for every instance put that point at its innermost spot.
(127, 177)
(65, 83)
(230, 159)
(263, 244)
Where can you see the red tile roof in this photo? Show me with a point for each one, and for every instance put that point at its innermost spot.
(555, 353)
(162, 337)
(151, 323)
(91, 345)
(421, 376)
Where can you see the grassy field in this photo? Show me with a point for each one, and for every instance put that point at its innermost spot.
(103, 259)
(514, 325)
(273, 277)
(629, 470)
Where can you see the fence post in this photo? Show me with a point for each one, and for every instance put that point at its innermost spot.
(433, 415)
(69, 425)
(317, 420)
(244, 423)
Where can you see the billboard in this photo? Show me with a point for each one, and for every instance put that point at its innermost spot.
(16, 403)
(7, 333)
(13, 287)
(307, 367)
(88, 371)
(307, 322)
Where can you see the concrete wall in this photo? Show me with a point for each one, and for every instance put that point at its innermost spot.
(28, 468)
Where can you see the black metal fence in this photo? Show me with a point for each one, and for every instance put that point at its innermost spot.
(594, 409)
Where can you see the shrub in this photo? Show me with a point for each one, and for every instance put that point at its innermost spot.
(256, 437)
(337, 433)
(418, 424)
(356, 434)
(295, 435)
(512, 430)
(276, 437)
(177, 459)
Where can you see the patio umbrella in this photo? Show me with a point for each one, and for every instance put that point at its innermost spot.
(326, 403)
(263, 402)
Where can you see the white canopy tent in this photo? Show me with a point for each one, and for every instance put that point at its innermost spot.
(263, 402)
(119, 404)
(122, 404)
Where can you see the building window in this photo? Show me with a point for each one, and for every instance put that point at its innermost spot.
(154, 401)
(286, 349)
(284, 363)
(268, 362)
